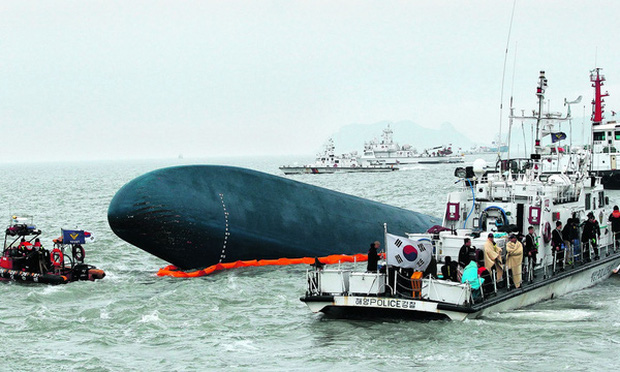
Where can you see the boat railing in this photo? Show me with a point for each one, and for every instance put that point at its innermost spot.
(407, 286)
(448, 292)
(506, 192)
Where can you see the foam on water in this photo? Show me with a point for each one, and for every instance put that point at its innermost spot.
(565, 315)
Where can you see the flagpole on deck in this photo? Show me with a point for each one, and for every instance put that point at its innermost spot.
(385, 250)
(385, 246)
(385, 240)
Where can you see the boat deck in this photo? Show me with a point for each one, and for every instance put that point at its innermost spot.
(543, 278)
(439, 299)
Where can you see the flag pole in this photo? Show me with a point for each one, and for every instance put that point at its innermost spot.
(385, 250)
(385, 247)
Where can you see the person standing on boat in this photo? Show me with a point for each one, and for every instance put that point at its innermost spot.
(431, 269)
(567, 243)
(493, 257)
(614, 218)
(466, 254)
(557, 246)
(531, 249)
(514, 259)
(470, 275)
(449, 270)
(572, 235)
(591, 232)
(373, 257)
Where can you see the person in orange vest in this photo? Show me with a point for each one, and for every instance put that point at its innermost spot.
(24, 246)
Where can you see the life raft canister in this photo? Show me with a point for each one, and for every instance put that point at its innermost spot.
(56, 257)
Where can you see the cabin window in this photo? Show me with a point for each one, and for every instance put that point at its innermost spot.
(601, 200)
(617, 136)
(598, 136)
(588, 202)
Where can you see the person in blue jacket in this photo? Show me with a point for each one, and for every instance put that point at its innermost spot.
(470, 275)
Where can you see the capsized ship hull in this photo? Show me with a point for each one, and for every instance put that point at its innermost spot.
(199, 215)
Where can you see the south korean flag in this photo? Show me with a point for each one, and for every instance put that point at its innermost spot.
(404, 252)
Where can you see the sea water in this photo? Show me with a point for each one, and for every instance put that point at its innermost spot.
(251, 318)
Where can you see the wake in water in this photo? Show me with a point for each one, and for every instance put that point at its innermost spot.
(547, 315)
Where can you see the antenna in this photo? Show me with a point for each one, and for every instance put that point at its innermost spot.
(501, 103)
(570, 118)
(595, 56)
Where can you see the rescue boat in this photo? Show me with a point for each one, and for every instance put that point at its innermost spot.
(24, 258)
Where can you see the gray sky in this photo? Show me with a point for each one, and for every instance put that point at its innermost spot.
(141, 79)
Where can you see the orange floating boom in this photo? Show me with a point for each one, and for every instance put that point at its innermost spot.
(173, 271)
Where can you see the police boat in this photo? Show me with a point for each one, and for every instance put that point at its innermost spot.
(25, 259)
(550, 196)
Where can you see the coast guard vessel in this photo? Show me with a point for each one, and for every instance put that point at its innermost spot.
(516, 193)
(328, 162)
(389, 152)
(24, 258)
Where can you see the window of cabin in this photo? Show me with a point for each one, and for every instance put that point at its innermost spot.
(598, 136)
(601, 200)
(588, 202)
(617, 136)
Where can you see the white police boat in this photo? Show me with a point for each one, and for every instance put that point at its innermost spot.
(548, 186)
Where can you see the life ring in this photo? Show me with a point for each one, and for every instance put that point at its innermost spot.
(78, 253)
(56, 257)
(546, 233)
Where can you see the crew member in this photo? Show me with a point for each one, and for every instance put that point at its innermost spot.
(557, 245)
(572, 235)
(591, 232)
(431, 269)
(25, 246)
(614, 218)
(467, 253)
(531, 249)
(449, 269)
(514, 259)
(373, 257)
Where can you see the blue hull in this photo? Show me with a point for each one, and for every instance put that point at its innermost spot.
(196, 216)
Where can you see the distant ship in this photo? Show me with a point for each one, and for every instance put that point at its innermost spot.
(389, 152)
(200, 215)
(328, 162)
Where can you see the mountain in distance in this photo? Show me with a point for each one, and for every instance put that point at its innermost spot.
(352, 137)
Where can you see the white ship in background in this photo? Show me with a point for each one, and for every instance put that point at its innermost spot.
(328, 162)
(391, 153)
